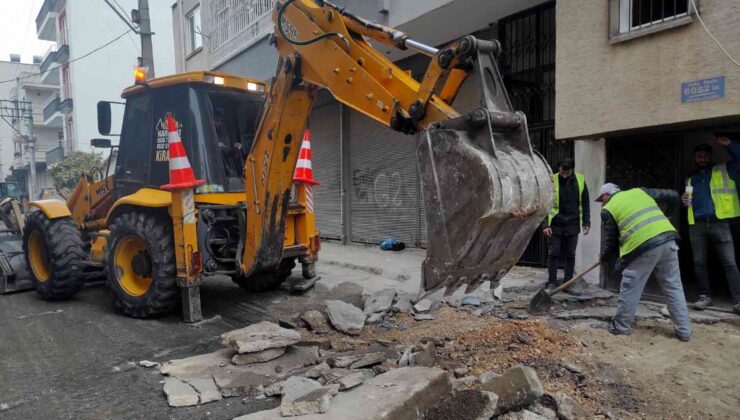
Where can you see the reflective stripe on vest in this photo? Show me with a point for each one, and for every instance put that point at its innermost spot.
(724, 194)
(638, 218)
(556, 204)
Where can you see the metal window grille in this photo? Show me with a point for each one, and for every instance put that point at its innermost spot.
(639, 14)
(236, 25)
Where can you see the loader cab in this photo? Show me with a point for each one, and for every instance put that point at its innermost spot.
(10, 189)
(216, 123)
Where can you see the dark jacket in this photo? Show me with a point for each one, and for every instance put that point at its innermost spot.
(566, 221)
(668, 201)
(702, 203)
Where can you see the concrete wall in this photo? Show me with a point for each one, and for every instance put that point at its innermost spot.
(590, 157)
(197, 60)
(258, 61)
(8, 70)
(105, 73)
(637, 83)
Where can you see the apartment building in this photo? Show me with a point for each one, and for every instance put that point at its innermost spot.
(639, 84)
(370, 187)
(93, 59)
(15, 151)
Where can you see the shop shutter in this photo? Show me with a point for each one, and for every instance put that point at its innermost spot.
(384, 183)
(325, 151)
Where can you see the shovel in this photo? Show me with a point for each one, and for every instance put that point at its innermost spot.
(541, 302)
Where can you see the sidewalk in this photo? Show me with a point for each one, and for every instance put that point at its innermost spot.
(375, 269)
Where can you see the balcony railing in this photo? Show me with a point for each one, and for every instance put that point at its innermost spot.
(54, 155)
(236, 25)
(51, 106)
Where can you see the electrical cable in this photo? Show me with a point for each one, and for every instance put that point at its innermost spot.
(716, 41)
(308, 41)
(73, 60)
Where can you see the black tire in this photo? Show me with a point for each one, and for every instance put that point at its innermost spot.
(148, 287)
(263, 282)
(55, 256)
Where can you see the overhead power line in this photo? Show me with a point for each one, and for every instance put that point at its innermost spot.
(74, 60)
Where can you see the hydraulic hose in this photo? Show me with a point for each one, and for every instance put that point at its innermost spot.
(281, 11)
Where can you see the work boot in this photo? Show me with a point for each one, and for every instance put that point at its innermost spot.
(684, 338)
(702, 303)
(614, 331)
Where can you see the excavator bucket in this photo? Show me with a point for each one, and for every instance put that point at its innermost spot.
(485, 190)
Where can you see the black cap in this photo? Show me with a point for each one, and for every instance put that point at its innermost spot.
(567, 163)
(703, 147)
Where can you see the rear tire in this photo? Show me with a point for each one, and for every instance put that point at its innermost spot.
(263, 282)
(141, 264)
(55, 256)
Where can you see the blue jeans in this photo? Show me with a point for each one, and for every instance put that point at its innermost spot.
(717, 233)
(662, 259)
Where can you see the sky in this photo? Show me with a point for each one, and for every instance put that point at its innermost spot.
(18, 30)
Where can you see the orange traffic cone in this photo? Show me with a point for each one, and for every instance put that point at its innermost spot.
(303, 170)
(181, 173)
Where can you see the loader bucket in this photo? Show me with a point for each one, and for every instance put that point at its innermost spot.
(485, 190)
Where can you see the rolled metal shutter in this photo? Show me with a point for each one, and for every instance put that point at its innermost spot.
(325, 151)
(384, 182)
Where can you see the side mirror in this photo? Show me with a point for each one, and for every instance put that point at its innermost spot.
(100, 143)
(104, 118)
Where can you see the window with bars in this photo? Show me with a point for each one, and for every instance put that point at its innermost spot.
(648, 16)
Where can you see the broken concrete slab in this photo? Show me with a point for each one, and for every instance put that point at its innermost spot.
(234, 383)
(403, 303)
(424, 317)
(345, 317)
(258, 356)
(347, 292)
(179, 394)
(317, 371)
(207, 389)
(469, 404)
(148, 364)
(605, 313)
(427, 357)
(261, 336)
(333, 375)
(425, 305)
(585, 295)
(543, 411)
(351, 380)
(518, 387)
(374, 318)
(320, 342)
(471, 301)
(368, 360)
(197, 366)
(568, 409)
(488, 376)
(316, 321)
(299, 284)
(379, 302)
(274, 389)
(302, 396)
(521, 415)
(399, 394)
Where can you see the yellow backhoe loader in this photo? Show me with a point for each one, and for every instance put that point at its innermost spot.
(485, 190)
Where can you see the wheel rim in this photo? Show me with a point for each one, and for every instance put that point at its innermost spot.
(38, 256)
(133, 265)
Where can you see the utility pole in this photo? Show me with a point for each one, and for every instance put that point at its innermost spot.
(140, 17)
(147, 53)
(26, 113)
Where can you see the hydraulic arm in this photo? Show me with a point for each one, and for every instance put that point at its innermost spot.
(485, 190)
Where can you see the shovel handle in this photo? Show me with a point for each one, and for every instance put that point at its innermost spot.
(575, 278)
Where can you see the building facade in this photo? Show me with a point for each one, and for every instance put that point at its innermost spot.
(93, 59)
(639, 84)
(32, 95)
(370, 187)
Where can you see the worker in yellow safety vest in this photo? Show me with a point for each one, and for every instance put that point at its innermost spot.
(570, 213)
(637, 230)
(712, 200)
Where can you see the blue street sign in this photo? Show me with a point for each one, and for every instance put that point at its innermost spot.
(703, 90)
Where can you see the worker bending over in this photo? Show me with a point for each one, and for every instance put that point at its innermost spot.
(570, 212)
(636, 227)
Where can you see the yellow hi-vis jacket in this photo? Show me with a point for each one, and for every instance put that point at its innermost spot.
(556, 205)
(638, 218)
(724, 194)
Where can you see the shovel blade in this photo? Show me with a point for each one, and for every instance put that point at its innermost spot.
(540, 303)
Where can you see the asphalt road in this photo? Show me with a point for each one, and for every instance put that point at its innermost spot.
(79, 358)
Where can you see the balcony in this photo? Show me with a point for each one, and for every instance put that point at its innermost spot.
(62, 53)
(53, 116)
(46, 20)
(236, 25)
(54, 155)
(50, 57)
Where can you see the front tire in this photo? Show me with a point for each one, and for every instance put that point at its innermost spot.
(55, 255)
(263, 282)
(141, 264)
